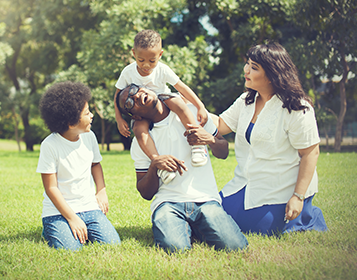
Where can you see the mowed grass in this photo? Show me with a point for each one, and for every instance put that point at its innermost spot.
(303, 255)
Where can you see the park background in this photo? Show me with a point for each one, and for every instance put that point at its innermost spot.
(46, 41)
(204, 42)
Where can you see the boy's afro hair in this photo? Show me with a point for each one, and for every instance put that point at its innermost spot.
(62, 104)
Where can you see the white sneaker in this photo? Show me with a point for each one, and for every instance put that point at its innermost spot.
(166, 176)
(199, 155)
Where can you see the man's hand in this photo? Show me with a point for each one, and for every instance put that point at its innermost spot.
(169, 163)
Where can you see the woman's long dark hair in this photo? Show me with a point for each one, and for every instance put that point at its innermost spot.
(281, 72)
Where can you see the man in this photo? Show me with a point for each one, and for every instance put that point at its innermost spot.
(190, 204)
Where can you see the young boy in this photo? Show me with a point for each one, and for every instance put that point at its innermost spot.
(73, 211)
(148, 71)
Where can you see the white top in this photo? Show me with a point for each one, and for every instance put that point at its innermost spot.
(269, 166)
(156, 81)
(72, 161)
(198, 184)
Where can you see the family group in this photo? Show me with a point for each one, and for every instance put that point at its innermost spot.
(276, 148)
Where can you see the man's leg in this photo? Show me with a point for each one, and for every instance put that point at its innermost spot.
(171, 230)
(214, 226)
(99, 227)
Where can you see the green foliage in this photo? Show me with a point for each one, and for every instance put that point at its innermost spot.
(306, 255)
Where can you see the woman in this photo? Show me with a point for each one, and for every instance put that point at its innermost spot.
(276, 147)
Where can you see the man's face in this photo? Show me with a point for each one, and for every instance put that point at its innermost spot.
(140, 101)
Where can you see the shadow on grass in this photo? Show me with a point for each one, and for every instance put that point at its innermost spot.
(141, 235)
(31, 235)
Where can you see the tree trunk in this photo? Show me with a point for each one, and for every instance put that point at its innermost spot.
(16, 129)
(343, 105)
(27, 128)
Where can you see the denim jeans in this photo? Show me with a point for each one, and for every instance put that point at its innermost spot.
(58, 233)
(173, 225)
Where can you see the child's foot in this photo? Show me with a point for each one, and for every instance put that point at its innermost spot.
(198, 155)
(166, 176)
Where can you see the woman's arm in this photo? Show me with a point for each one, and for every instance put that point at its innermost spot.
(307, 167)
(197, 135)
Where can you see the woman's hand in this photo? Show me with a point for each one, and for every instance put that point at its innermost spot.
(196, 135)
(293, 208)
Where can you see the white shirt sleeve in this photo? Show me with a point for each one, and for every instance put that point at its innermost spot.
(231, 115)
(303, 131)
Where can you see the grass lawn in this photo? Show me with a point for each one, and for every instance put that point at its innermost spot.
(305, 255)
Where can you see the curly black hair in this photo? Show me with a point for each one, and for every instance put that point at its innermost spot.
(281, 72)
(147, 39)
(62, 104)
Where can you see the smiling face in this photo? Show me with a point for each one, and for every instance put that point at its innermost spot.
(85, 121)
(147, 59)
(255, 77)
(142, 100)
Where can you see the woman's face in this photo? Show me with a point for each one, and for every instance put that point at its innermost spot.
(255, 77)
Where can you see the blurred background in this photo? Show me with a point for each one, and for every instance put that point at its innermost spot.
(204, 42)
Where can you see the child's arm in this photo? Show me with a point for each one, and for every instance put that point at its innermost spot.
(192, 97)
(122, 124)
(146, 143)
(101, 195)
(78, 227)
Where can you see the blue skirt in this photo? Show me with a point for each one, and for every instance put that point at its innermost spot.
(269, 219)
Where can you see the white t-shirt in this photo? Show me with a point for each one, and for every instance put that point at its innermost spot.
(269, 166)
(198, 184)
(156, 81)
(72, 161)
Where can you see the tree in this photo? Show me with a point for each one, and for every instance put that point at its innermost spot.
(329, 24)
(42, 35)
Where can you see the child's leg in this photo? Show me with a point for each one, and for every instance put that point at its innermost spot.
(179, 107)
(58, 233)
(100, 228)
(146, 143)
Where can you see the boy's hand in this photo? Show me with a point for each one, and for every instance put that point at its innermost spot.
(102, 200)
(79, 229)
(202, 116)
(123, 128)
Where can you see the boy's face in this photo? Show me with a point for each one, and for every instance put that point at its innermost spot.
(85, 121)
(147, 59)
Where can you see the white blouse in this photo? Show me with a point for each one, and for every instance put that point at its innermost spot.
(269, 166)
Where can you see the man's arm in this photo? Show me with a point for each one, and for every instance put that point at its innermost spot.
(147, 183)
(197, 135)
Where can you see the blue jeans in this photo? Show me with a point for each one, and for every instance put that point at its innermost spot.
(174, 223)
(58, 233)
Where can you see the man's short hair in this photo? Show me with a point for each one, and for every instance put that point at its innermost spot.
(147, 39)
(62, 105)
(121, 110)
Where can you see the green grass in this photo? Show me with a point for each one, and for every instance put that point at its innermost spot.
(308, 255)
